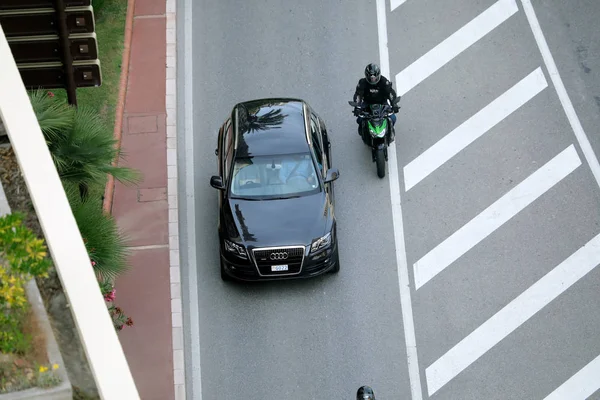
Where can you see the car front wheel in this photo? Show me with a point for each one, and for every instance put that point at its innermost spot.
(336, 257)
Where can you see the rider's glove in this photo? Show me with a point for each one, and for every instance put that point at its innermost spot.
(395, 109)
(355, 112)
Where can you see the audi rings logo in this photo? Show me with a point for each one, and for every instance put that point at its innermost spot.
(279, 256)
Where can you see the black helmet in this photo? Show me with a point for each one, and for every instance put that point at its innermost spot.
(373, 73)
(365, 392)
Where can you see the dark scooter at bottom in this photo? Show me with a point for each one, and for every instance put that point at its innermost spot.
(365, 393)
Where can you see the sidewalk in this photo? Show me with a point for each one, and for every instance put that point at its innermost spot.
(142, 212)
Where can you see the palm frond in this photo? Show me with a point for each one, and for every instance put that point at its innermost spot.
(105, 243)
(53, 116)
(125, 175)
(84, 153)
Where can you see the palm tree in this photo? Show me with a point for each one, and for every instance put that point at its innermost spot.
(82, 149)
(106, 245)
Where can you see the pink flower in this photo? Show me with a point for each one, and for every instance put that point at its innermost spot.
(110, 296)
(93, 263)
(50, 94)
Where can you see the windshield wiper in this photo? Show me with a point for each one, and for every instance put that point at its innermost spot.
(247, 198)
(284, 198)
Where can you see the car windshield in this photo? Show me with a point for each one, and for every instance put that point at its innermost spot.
(271, 177)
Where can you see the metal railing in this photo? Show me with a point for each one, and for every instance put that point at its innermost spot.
(94, 324)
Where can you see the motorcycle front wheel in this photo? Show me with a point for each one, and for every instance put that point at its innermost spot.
(380, 162)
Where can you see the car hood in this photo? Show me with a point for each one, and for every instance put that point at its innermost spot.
(286, 222)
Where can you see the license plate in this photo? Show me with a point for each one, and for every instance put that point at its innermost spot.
(279, 267)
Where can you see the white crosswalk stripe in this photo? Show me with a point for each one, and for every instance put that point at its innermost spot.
(454, 45)
(473, 128)
(581, 385)
(513, 315)
(495, 215)
(395, 4)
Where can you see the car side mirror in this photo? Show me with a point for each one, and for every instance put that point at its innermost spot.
(217, 182)
(332, 175)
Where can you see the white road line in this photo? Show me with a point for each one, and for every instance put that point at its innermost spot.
(581, 385)
(186, 170)
(584, 143)
(495, 215)
(473, 128)
(395, 4)
(401, 262)
(454, 45)
(514, 315)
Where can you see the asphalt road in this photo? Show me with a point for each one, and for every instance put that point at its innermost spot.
(500, 309)
(321, 338)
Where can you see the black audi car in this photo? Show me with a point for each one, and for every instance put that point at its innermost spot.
(276, 200)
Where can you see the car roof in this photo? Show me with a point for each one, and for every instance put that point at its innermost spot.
(270, 126)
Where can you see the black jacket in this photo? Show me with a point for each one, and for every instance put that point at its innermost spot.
(380, 93)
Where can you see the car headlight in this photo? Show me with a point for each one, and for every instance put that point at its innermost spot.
(235, 248)
(321, 243)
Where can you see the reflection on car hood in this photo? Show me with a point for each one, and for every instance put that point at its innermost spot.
(286, 222)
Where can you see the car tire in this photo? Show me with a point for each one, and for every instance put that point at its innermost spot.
(224, 276)
(336, 256)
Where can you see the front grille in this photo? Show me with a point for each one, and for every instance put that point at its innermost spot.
(290, 256)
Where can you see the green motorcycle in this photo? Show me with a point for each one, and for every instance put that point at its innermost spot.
(377, 130)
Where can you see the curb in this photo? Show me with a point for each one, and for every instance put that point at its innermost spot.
(172, 185)
(124, 77)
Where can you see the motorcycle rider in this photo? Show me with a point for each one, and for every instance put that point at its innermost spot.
(365, 393)
(375, 88)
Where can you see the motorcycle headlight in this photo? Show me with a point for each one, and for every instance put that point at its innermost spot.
(320, 243)
(235, 248)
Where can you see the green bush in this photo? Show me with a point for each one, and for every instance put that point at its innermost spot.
(25, 253)
(12, 338)
(23, 257)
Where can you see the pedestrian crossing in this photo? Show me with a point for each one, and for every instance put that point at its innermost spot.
(473, 128)
(513, 315)
(437, 263)
(455, 44)
(495, 216)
